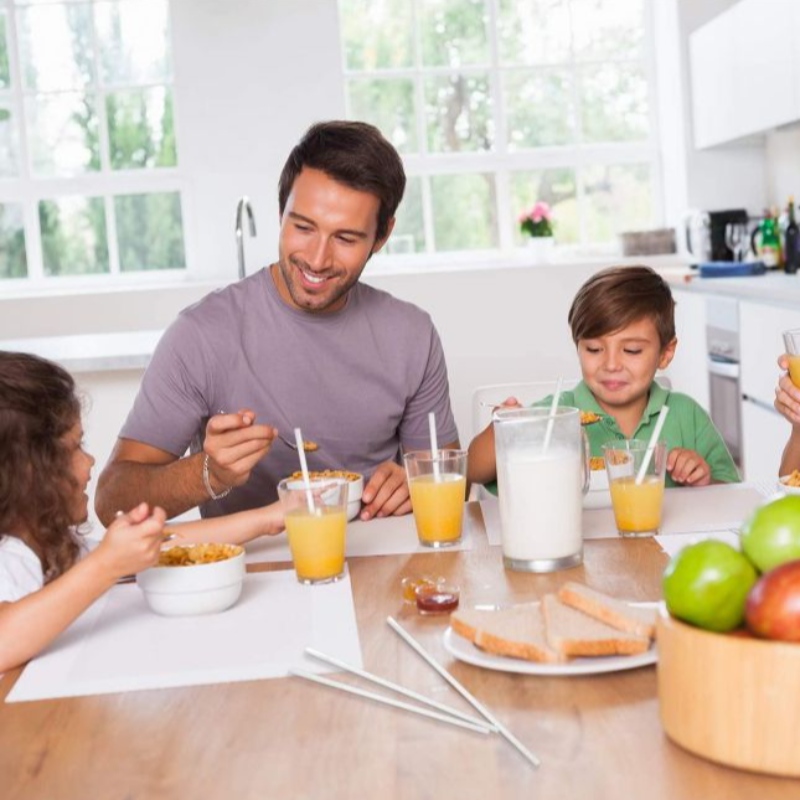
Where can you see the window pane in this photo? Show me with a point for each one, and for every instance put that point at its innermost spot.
(13, 261)
(533, 32)
(149, 231)
(539, 108)
(5, 75)
(453, 32)
(141, 129)
(618, 198)
(458, 113)
(62, 134)
(8, 144)
(555, 187)
(133, 38)
(614, 103)
(377, 34)
(607, 29)
(74, 240)
(464, 215)
(56, 46)
(389, 105)
(408, 235)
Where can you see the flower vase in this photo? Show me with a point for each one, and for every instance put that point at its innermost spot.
(540, 249)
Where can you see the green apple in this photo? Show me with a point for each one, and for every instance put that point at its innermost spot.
(706, 584)
(771, 536)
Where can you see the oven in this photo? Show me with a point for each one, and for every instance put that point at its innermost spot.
(722, 348)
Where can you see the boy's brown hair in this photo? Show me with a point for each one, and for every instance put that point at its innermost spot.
(614, 298)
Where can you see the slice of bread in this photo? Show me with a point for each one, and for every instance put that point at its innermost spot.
(517, 632)
(616, 613)
(573, 633)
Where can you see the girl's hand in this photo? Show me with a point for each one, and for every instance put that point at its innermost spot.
(688, 467)
(133, 541)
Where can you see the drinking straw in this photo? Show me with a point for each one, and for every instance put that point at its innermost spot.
(552, 415)
(301, 452)
(379, 698)
(434, 446)
(648, 454)
(484, 712)
(396, 688)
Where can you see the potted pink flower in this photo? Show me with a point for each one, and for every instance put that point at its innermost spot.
(537, 221)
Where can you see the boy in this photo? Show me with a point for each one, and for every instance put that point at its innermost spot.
(623, 325)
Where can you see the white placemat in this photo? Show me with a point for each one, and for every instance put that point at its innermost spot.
(378, 537)
(686, 510)
(674, 543)
(119, 645)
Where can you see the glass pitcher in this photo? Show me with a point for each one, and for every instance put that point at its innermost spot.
(542, 475)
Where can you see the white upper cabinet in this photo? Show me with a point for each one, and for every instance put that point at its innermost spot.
(745, 71)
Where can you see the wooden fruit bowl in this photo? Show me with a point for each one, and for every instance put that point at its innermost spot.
(729, 697)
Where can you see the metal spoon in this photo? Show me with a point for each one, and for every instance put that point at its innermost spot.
(309, 447)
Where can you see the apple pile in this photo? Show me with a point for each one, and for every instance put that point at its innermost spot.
(716, 587)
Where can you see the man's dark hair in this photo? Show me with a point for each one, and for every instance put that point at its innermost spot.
(616, 297)
(355, 154)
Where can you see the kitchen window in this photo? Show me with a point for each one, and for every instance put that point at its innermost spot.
(89, 179)
(495, 104)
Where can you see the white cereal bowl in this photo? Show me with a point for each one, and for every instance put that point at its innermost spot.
(174, 591)
(782, 487)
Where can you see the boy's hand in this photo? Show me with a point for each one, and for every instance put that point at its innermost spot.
(688, 468)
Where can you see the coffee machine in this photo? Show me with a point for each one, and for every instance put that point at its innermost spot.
(705, 234)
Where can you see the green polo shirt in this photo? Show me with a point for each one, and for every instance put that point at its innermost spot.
(687, 425)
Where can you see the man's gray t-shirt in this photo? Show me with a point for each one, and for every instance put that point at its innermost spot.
(360, 382)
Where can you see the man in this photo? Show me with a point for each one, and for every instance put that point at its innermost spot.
(299, 344)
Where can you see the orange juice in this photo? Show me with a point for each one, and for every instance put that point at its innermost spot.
(794, 369)
(438, 507)
(317, 543)
(637, 507)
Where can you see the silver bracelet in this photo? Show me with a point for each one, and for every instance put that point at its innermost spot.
(207, 483)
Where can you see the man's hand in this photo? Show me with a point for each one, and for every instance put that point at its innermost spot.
(386, 493)
(688, 467)
(787, 395)
(234, 445)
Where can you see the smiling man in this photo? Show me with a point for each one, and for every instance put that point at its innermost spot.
(301, 343)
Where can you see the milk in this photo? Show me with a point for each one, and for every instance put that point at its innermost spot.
(540, 504)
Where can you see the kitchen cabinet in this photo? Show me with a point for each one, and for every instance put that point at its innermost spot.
(764, 431)
(745, 71)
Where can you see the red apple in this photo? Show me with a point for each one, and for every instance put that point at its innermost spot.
(772, 610)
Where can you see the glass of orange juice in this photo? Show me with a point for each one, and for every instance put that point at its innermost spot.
(316, 524)
(791, 341)
(637, 496)
(438, 487)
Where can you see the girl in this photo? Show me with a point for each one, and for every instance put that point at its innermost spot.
(48, 576)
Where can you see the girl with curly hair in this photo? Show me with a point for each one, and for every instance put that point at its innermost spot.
(48, 575)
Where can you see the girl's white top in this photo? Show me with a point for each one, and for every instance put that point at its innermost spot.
(20, 570)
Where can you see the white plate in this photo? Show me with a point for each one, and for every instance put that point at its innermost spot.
(464, 650)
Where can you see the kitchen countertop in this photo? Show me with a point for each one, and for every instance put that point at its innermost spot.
(773, 287)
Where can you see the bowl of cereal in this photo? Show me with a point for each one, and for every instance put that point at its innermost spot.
(194, 579)
(790, 484)
(355, 486)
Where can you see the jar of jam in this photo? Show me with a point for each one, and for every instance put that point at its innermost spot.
(439, 599)
(411, 584)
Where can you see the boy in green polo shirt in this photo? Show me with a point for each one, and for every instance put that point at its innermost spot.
(623, 325)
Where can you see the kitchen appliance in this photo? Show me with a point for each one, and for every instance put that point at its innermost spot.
(722, 347)
(705, 234)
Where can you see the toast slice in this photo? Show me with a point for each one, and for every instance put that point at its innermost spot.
(573, 633)
(517, 631)
(616, 613)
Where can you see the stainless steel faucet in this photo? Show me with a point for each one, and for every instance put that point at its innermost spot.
(242, 206)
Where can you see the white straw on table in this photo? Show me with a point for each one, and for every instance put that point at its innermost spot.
(548, 434)
(482, 710)
(648, 454)
(396, 688)
(434, 445)
(379, 698)
(301, 452)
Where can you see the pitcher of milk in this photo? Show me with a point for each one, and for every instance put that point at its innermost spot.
(542, 474)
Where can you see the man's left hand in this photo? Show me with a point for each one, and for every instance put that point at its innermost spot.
(386, 493)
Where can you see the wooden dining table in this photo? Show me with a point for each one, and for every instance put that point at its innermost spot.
(597, 736)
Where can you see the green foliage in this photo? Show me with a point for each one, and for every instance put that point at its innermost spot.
(74, 240)
(149, 231)
(464, 214)
(5, 75)
(13, 258)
